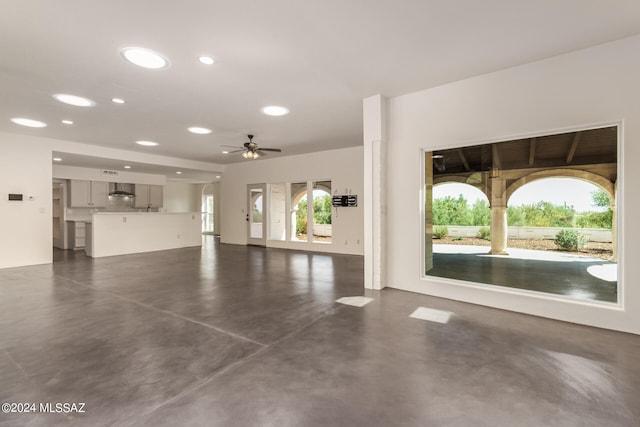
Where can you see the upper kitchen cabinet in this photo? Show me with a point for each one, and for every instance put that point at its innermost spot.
(148, 196)
(88, 194)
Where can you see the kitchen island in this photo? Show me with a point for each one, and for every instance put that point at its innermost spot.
(119, 233)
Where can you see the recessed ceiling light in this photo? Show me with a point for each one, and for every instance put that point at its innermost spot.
(28, 122)
(275, 110)
(207, 60)
(147, 143)
(117, 100)
(67, 122)
(218, 176)
(57, 159)
(75, 100)
(199, 130)
(144, 58)
(127, 167)
(225, 152)
(179, 173)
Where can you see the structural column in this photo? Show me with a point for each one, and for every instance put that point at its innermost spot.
(498, 217)
(374, 200)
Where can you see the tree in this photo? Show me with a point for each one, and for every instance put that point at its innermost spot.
(481, 213)
(322, 209)
(600, 199)
(597, 219)
(451, 211)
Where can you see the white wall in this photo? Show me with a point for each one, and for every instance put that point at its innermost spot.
(580, 89)
(25, 227)
(180, 197)
(343, 167)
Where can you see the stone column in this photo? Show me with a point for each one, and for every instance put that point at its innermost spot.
(498, 217)
(614, 224)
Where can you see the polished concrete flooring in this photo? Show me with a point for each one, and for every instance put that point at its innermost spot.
(243, 336)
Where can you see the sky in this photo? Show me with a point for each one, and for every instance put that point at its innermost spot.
(573, 192)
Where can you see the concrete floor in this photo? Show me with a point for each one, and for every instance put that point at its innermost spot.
(558, 273)
(231, 335)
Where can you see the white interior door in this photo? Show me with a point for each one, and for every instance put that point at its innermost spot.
(256, 214)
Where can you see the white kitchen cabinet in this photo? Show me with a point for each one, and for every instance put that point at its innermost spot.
(148, 196)
(88, 194)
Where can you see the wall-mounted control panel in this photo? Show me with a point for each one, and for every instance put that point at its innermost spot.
(16, 197)
(344, 201)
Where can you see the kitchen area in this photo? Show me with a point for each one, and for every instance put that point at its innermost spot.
(107, 217)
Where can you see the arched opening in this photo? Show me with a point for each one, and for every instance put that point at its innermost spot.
(461, 208)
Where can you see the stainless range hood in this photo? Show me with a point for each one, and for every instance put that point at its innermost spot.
(119, 190)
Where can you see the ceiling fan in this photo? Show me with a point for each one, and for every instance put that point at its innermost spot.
(251, 150)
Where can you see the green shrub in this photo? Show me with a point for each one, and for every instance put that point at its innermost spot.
(484, 233)
(440, 232)
(570, 240)
(457, 238)
(301, 226)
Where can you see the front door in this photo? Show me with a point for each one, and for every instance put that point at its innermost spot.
(256, 215)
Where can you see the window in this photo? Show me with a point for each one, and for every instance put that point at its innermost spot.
(299, 212)
(311, 219)
(321, 215)
(551, 245)
(207, 214)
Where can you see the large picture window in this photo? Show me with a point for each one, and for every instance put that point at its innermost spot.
(536, 214)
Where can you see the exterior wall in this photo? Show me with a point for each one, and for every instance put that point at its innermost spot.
(516, 232)
(590, 87)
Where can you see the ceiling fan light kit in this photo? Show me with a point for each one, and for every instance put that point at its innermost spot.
(251, 155)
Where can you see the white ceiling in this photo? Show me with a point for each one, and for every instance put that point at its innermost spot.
(319, 59)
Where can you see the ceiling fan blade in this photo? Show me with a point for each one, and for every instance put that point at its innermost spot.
(231, 146)
(275, 150)
(237, 151)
